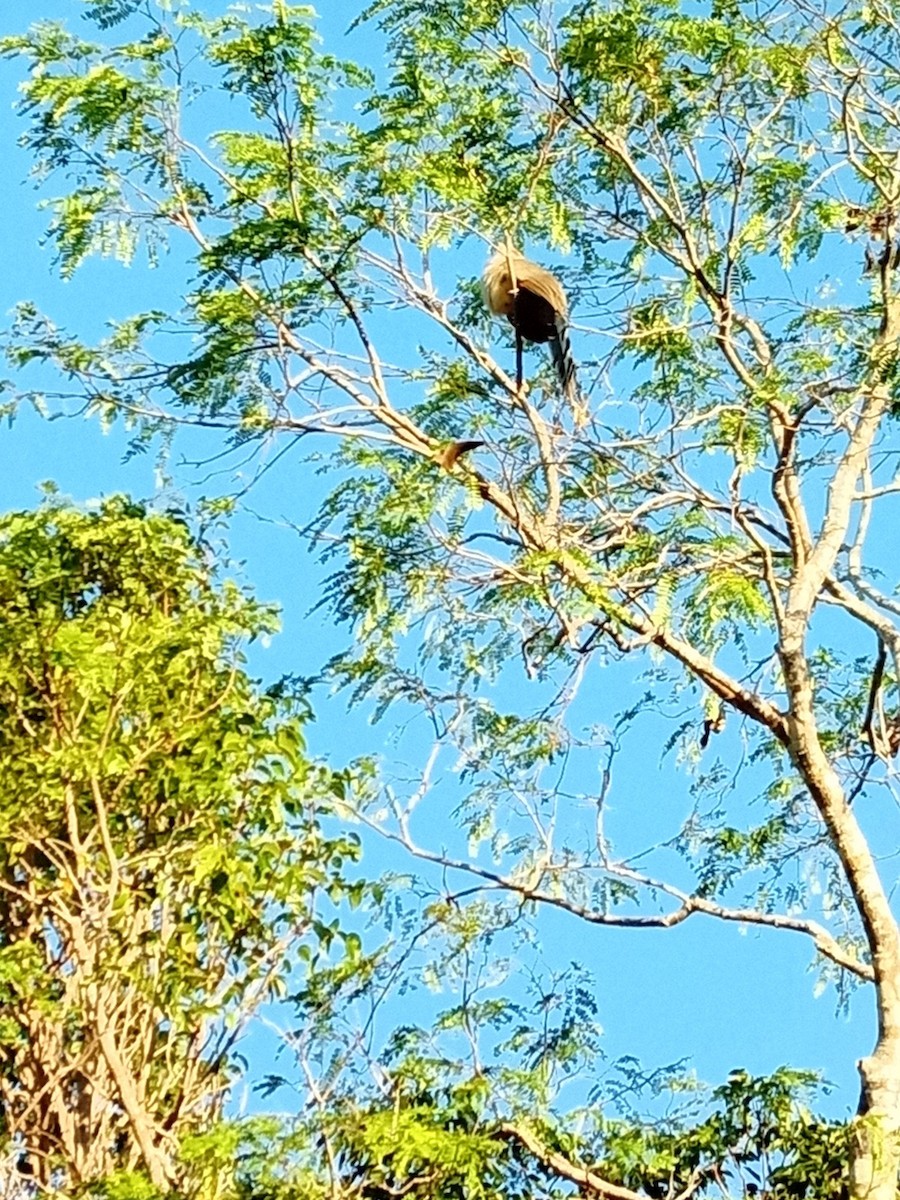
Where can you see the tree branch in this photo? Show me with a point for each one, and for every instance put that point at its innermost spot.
(584, 1176)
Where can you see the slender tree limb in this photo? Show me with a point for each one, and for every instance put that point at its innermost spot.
(584, 1176)
(688, 905)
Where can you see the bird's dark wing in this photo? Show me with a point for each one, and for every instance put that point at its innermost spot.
(533, 316)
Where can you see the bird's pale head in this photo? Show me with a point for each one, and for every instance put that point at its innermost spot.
(499, 281)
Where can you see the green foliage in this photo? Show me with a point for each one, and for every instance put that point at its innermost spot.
(438, 1129)
(699, 178)
(759, 1138)
(392, 1147)
(727, 602)
(160, 841)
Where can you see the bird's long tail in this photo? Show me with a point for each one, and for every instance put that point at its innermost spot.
(564, 363)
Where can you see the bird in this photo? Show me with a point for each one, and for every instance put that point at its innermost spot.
(533, 301)
(449, 455)
(714, 723)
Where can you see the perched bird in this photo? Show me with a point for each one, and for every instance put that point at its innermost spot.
(879, 222)
(714, 723)
(534, 303)
(449, 455)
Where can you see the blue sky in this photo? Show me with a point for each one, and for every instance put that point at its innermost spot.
(720, 996)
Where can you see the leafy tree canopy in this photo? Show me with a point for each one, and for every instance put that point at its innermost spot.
(718, 191)
(162, 852)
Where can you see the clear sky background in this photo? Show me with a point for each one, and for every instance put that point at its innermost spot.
(718, 995)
